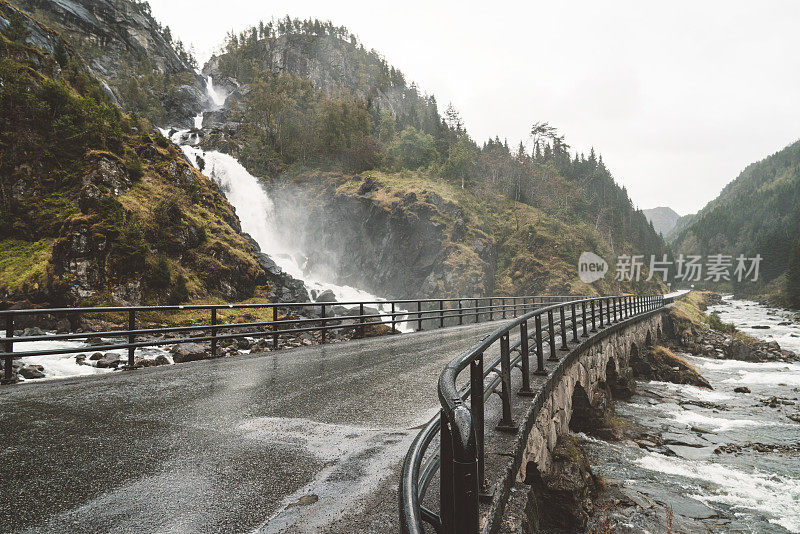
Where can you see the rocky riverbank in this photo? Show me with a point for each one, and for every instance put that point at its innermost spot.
(691, 459)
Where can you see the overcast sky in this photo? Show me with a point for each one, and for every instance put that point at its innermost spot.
(678, 97)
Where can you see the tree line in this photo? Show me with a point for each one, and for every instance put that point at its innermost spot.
(371, 118)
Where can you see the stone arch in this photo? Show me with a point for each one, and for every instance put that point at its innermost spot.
(634, 353)
(648, 340)
(584, 416)
(612, 376)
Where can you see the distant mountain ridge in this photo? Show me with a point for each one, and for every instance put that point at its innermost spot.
(757, 213)
(682, 222)
(662, 218)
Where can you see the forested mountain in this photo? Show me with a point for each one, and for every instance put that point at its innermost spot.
(663, 219)
(95, 205)
(682, 222)
(309, 94)
(757, 213)
(148, 71)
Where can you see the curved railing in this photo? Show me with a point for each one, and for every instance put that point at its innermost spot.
(282, 321)
(460, 456)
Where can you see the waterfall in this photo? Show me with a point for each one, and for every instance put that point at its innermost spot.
(216, 97)
(257, 212)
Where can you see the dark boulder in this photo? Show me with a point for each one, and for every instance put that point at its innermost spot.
(326, 296)
(189, 352)
(31, 372)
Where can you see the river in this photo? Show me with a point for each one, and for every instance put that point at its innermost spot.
(743, 488)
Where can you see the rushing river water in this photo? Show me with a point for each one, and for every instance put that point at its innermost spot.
(742, 491)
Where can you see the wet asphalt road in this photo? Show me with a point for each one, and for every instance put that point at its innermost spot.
(302, 440)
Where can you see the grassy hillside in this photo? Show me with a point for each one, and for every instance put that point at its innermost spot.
(757, 213)
(96, 206)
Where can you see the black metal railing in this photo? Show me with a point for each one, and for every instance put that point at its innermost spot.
(459, 459)
(284, 321)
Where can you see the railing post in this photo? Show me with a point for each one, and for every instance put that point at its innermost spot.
(583, 314)
(608, 311)
(324, 330)
(525, 390)
(131, 336)
(477, 313)
(514, 304)
(551, 331)
(506, 423)
(361, 320)
(446, 490)
(460, 313)
(394, 319)
(600, 312)
(491, 308)
(503, 306)
(594, 318)
(574, 325)
(213, 333)
(476, 410)
(419, 316)
(441, 314)
(540, 370)
(274, 326)
(8, 347)
(563, 321)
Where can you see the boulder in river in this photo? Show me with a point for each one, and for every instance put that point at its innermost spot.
(188, 352)
(659, 363)
(30, 372)
(741, 389)
(326, 296)
(110, 360)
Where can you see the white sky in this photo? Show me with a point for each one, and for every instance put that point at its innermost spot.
(678, 97)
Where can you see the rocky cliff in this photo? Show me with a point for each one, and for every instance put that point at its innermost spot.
(414, 246)
(96, 205)
(407, 236)
(131, 53)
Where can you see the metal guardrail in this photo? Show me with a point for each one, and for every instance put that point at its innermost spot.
(418, 314)
(460, 458)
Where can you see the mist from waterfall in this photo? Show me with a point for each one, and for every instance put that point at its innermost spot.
(256, 212)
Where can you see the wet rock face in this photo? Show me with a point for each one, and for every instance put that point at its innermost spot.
(79, 260)
(659, 363)
(561, 499)
(109, 173)
(124, 31)
(401, 251)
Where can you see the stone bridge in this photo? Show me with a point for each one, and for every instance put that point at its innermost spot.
(581, 381)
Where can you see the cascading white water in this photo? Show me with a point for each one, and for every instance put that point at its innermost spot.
(257, 214)
(217, 97)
